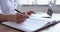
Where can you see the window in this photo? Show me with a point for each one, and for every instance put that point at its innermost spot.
(37, 2)
(58, 2)
(43, 2)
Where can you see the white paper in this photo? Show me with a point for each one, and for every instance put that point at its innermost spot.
(28, 25)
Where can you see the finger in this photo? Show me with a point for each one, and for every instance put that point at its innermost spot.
(21, 20)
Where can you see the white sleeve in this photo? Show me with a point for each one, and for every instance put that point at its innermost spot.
(0, 10)
(12, 5)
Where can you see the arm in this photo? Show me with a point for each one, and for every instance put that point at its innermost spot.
(7, 17)
(19, 18)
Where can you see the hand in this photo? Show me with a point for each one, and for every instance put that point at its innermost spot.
(20, 18)
(30, 12)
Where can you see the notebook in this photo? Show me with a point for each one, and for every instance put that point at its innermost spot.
(28, 25)
(34, 22)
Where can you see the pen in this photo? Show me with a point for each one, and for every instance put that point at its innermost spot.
(21, 12)
(18, 11)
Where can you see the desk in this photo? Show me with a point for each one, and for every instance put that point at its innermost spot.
(7, 29)
(55, 28)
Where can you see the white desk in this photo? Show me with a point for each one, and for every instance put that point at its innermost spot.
(55, 28)
(55, 16)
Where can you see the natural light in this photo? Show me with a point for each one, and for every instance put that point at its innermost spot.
(37, 2)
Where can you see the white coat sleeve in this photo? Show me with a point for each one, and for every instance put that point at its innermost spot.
(0, 10)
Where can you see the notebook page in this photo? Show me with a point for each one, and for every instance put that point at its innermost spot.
(28, 25)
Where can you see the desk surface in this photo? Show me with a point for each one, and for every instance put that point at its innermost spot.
(55, 28)
(7, 29)
(51, 29)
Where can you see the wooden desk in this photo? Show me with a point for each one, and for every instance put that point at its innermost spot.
(7, 29)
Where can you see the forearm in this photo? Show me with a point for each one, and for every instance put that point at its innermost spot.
(2, 17)
(7, 17)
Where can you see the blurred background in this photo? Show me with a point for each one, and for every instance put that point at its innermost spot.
(37, 5)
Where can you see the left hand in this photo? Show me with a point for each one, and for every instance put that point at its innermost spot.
(30, 12)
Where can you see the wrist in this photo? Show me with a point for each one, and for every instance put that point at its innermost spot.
(10, 17)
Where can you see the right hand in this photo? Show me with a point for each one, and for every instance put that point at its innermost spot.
(20, 18)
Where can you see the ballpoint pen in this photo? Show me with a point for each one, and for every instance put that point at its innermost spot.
(21, 12)
(18, 11)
